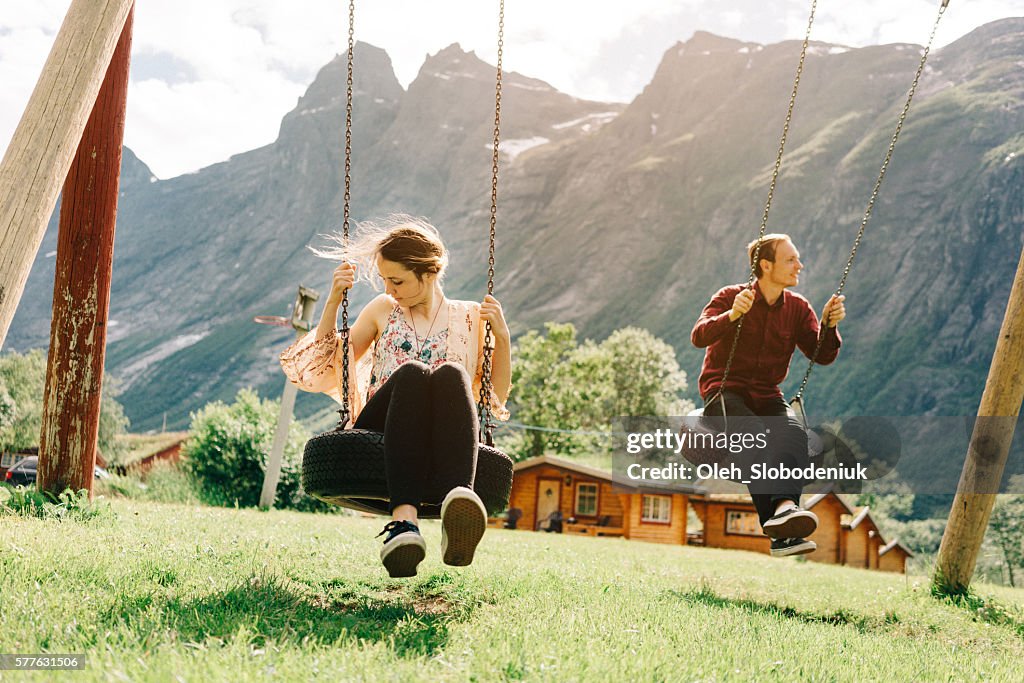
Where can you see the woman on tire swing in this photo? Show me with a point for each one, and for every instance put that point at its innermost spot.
(419, 366)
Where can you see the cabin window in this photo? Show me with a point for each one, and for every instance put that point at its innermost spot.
(586, 499)
(656, 509)
(742, 522)
(7, 459)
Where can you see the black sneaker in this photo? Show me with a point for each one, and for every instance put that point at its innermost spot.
(784, 547)
(463, 521)
(403, 549)
(791, 523)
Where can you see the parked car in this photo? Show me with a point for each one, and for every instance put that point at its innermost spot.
(23, 472)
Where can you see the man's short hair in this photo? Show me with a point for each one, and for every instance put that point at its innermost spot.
(768, 245)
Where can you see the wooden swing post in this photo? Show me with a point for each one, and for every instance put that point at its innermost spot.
(302, 322)
(987, 451)
(44, 143)
(81, 289)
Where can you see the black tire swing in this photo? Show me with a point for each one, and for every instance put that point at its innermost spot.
(696, 424)
(347, 467)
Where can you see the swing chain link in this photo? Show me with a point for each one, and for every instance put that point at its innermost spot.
(771, 188)
(487, 421)
(346, 410)
(874, 194)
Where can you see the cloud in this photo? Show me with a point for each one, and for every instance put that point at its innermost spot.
(902, 21)
(215, 78)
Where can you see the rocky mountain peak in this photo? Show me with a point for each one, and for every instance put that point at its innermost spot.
(1001, 41)
(454, 63)
(374, 74)
(134, 172)
(705, 42)
(376, 92)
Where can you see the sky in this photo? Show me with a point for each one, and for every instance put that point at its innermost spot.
(212, 78)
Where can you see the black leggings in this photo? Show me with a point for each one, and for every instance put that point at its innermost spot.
(787, 445)
(430, 430)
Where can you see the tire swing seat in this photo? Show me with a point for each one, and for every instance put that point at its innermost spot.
(348, 468)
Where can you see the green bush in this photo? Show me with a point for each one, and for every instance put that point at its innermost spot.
(73, 505)
(169, 483)
(227, 451)
(164, 483)
(22, 382)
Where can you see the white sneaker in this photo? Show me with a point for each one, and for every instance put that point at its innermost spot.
(404, 548)
(463, 521)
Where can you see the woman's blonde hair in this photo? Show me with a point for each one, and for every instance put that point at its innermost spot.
(412, 242)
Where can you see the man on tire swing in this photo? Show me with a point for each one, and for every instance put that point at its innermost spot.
(776, 322)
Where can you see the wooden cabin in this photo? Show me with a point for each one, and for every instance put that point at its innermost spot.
(590, 504)
(863, 540)
(893, 557)
(144, 451)
(730, 521)
(845, 535)
(830, 536)
(586, 501)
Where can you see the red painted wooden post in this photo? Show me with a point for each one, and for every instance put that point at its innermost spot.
(81, 290)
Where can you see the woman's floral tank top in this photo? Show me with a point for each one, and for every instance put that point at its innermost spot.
(398, 345)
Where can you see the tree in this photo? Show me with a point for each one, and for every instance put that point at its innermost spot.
(646, 377)
(1007, 525)
(228, 447)
(563, 388)
(113, 422)
(6, 407)
(24, 376)
(551, 392)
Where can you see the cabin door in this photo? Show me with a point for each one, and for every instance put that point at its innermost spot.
(549, 494)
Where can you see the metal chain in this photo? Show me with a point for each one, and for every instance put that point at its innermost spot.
(874, 194)
(346, 409)
(486, 422)
(771, 186)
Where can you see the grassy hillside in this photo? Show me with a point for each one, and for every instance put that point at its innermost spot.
(154, 591)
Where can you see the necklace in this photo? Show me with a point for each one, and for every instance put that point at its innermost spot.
(426, 336)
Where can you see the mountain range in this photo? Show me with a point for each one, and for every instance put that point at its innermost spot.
(609, 214)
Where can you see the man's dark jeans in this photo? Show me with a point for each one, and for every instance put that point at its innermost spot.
(787, 445)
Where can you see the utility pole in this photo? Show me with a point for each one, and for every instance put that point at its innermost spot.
(987, 451)
(302, 322)
(81, 288)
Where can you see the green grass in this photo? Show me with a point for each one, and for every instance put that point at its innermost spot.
(155, 591)
(163, 483)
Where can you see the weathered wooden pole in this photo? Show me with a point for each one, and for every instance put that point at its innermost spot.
(44, 143)
(987, 451)
(302, 322)
(81, 288)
